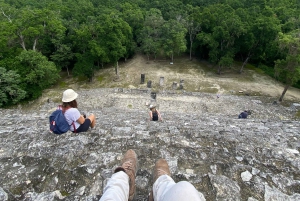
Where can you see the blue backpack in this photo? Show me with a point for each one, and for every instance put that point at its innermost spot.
(58, 122)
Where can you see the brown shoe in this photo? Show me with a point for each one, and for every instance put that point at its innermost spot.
(129, 163)
(161, 168)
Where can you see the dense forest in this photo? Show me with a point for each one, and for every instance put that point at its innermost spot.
(40, 38)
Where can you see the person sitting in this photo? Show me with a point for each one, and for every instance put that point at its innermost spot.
(154, 114)
(78, 123)
(244, 114)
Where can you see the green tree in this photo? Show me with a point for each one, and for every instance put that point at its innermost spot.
(170, 9)
(62, 56)
(221, 28)
(34, 27)
(150, 35)
(7, 31)
(289, 68)
(10, 90)
(116, 38)
(261, 32)
(173, 39)
(84, 66)
(37, 73)
(105, 38)
(193, 25)
(133, 15)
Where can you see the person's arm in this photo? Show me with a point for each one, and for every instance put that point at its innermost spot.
(150, 114)
(81, 119)
(159, 116)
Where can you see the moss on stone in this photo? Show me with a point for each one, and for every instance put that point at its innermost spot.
(297, 115)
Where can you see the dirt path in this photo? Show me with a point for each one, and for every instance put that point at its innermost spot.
(197, 79)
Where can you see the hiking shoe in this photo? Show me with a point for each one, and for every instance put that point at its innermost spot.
(161, 168)
(129, 164)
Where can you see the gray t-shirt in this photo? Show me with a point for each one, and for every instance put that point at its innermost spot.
(72, 115)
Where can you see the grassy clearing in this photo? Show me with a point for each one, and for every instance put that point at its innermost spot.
(198, 76)
(297, 115)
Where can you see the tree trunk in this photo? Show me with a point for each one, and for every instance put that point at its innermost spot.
(34, 44)
(172, 56)
(117, 69)
(191, 48)
(68, 71)
(22, 42)
(8, 17)
(219, 69)
(244, 64)
(284, 91)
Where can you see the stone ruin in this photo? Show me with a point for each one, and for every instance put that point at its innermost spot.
(202, 139)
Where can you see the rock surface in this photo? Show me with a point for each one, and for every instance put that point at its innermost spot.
(225, 158)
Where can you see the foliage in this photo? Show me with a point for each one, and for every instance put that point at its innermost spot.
(289, 68)
(223, 28)
(174, 41)
(150, 34)
(81, 35)
(84, 66)
(10, 91)
(37, 73)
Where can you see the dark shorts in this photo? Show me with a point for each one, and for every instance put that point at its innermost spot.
(84, 127)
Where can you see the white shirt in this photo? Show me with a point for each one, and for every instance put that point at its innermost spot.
(72, 115)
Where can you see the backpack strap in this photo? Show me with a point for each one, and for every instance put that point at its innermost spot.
(74, 127)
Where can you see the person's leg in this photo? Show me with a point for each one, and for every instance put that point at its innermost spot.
(121, 186)
(84, 127)
(161, 168)
(165, 189)
(117, 187)
(161, 186)
(93, 120)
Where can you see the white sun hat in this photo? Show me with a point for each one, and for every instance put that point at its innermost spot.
(151, 106)
(69, 95)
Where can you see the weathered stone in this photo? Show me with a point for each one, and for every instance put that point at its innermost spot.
(161, 81)
(142, 78)
(200, 136)
(246, 176)
(225, 188)
(3, 195)
(275, 194)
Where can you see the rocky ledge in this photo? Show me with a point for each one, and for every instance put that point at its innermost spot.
(204, 143)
